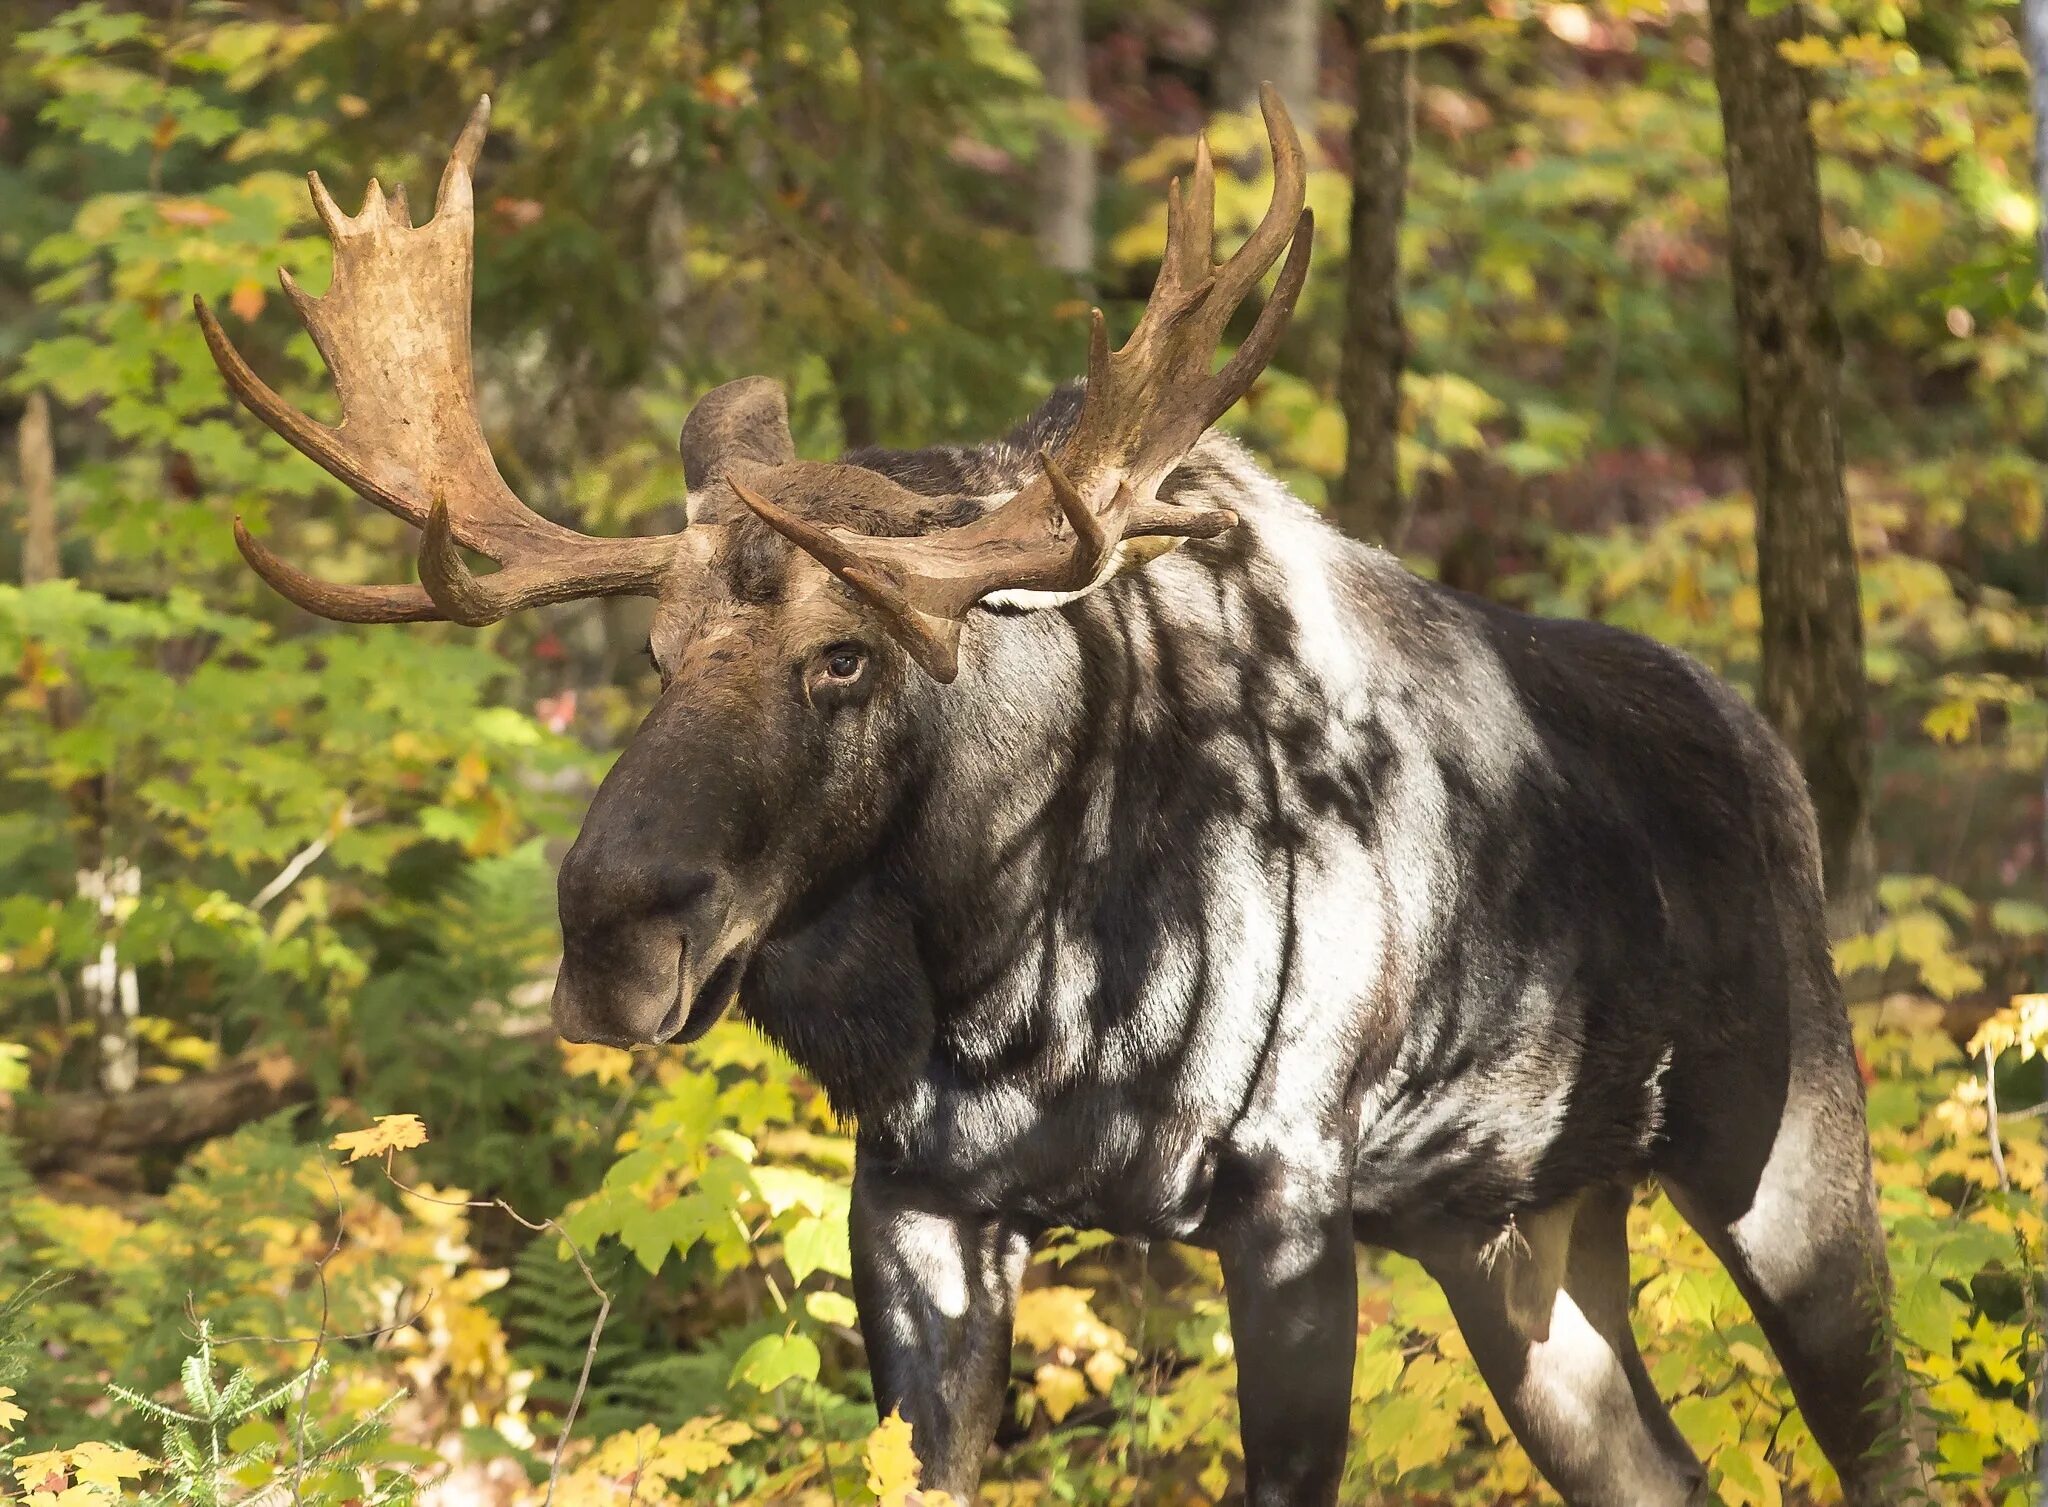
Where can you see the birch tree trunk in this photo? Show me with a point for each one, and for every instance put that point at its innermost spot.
(1063, 175)
(1368, 502)
(1813, 689)
(38, 492)
(1269, 41)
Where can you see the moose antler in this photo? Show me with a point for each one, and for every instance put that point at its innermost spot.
(394, 330)
(1145, 407)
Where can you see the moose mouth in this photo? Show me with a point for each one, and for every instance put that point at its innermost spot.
(713, 998)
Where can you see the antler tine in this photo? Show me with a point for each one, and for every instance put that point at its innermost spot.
(1250, 358)
(1150, 401)
(1146, 405)
(329, 599)
(393, 328)
(1238, 276)
(456, 191)
(1191, 223)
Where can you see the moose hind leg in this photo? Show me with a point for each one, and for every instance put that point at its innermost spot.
(1806, 1250)
(1545, 1311)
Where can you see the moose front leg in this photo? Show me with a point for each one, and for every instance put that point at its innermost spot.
(1289, 1272)
(936, 1288)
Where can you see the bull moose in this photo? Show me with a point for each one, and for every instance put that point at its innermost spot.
(1124, 848)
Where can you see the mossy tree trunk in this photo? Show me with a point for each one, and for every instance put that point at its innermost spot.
(1369, 503)
(1813, 687)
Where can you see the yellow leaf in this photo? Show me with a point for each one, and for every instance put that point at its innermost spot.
(1748, 1479)
(389, 1133)
(2022, 1025)
(1950, 721)
(587, 1059)
(10, 1414)
(106, 1465)
(1102, 1369)
(1809, 52)
(71, 1496)
(1060, 1388)
(472, 771)
(892, 1465)
(1050, 1317)
(38, 1471)
(702, 1444)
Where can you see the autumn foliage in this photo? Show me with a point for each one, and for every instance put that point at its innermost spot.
(281, 896)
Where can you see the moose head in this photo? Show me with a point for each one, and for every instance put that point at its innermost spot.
(807, 613)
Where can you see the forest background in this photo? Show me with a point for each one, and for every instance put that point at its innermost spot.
(300, 1200)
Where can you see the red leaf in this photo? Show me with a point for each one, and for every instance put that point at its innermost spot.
(247, 299)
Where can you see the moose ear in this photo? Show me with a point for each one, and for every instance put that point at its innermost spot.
(747, 420)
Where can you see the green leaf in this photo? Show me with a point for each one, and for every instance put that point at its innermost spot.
(776, 1358)
(1925, 1313)
(816, 1243)
(2019, 918)
(832, 1308)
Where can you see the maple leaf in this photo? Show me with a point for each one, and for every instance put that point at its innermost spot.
(10, 1413)
(389, 1133)
(46, 1470)
(1060, 1388)
(893, 1466)
(98, 1464)
(247, 299)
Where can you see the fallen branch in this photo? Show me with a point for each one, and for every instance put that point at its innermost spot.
(57, 1128)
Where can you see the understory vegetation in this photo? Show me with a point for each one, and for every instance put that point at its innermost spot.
(300, 1198)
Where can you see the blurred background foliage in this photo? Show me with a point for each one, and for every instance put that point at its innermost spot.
(261, 878)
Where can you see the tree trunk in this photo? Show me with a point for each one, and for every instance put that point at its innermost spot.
(157, 1117)
(38, 492)
(1063, 175)
(2034, 37)
(1368, 502)
(1813, 688)
(1269, 41)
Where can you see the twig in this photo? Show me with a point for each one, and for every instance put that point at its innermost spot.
(309, 855)
(1147, 1399)
(604, 1301)
(378, 1333)
(319, 1343)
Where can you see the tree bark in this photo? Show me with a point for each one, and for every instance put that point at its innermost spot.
(1269, 41)
(62, 1128)
(1813, 687)
(1063, 174)
(2034, 37)
(38, 492)
(1368, 503)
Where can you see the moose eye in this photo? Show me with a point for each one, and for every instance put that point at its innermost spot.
(836, 675)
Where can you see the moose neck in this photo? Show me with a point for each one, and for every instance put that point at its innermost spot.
(1081, 833)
